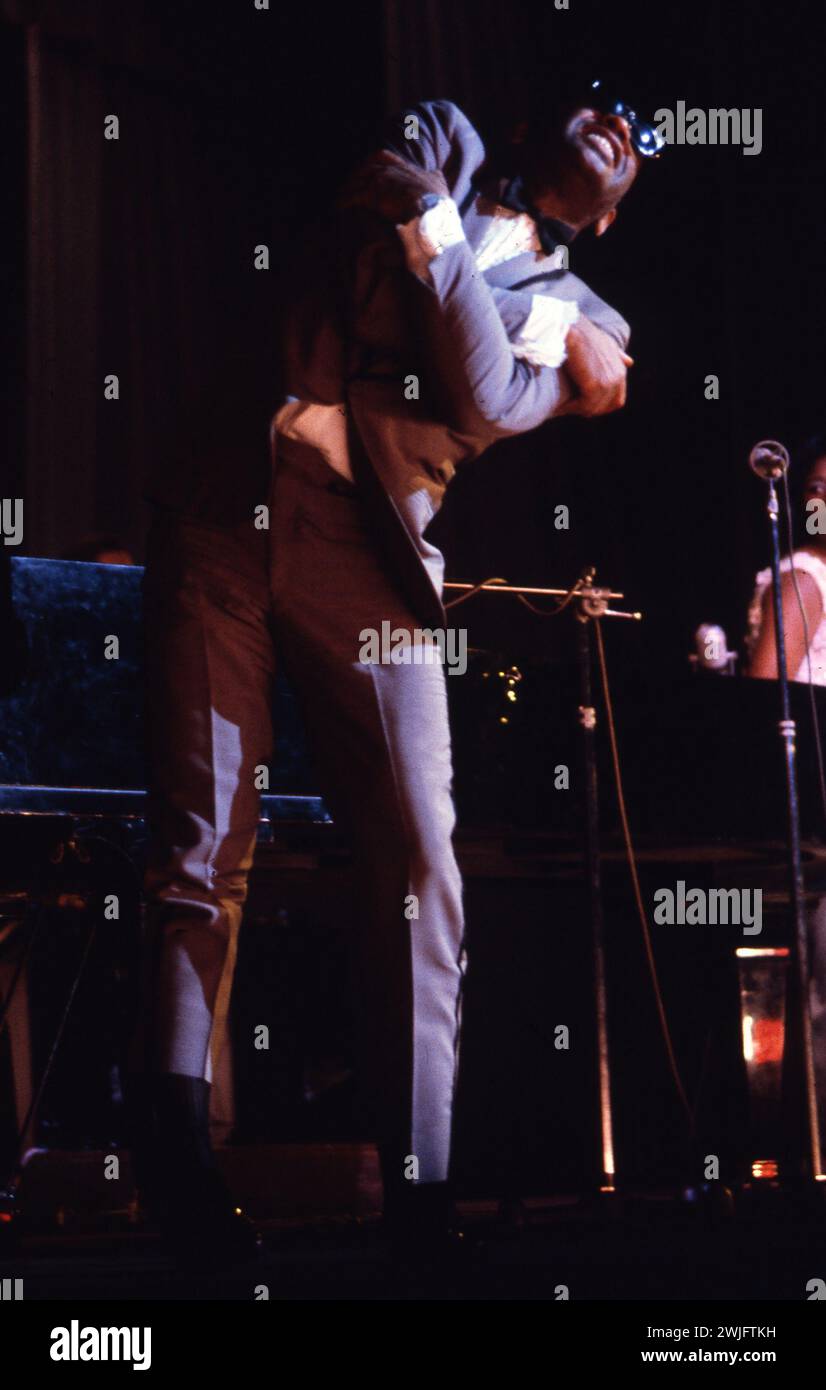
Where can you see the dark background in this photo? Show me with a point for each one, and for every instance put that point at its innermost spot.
(236, 124)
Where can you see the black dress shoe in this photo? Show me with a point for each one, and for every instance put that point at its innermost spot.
(202, 1227)
(180, 1183)
(423, 1228)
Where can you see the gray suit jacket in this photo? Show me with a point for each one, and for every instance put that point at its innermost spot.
(454, 337)
(387, 327)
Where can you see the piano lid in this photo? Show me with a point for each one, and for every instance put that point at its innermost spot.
(75, 720)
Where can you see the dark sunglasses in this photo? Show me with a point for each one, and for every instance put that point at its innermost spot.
(645, 137)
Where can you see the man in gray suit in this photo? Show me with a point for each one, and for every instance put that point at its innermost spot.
(444, 320)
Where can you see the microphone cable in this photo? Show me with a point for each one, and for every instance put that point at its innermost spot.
(635, 881)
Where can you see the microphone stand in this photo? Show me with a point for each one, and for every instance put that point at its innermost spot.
(771, 466)
(592, 604)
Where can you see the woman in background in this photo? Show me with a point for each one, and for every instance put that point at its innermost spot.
(805, 642)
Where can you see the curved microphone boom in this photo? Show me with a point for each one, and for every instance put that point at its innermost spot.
(769, 459)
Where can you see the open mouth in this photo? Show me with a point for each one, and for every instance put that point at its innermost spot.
(605, 143)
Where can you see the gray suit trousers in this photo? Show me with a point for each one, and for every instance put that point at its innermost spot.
(223, 605)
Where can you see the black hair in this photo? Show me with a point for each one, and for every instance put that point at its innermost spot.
(803, 459)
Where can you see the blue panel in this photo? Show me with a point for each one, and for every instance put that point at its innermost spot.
(76, 719)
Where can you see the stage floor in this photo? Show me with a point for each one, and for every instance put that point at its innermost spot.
(642, 1249)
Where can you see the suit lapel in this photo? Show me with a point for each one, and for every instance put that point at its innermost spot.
(507, 274)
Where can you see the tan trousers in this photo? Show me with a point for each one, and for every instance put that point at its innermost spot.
(222, 607)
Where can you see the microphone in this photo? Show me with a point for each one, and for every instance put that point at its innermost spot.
(768, 459)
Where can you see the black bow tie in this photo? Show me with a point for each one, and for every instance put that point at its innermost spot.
(551, 233)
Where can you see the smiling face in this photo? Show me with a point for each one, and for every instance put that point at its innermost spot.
(580, 173)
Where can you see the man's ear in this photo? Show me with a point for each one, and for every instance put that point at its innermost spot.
(603, 223)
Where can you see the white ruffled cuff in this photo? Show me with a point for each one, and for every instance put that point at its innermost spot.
(430, 235)
(541, 340)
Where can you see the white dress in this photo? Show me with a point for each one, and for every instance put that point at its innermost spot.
(810, 564)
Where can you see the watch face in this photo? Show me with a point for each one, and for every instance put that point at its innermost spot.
(428, 201)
